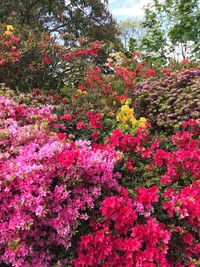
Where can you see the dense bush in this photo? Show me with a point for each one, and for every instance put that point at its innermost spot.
(38, 61)
(159, 223)
(48, 185)
(85, 179)
(169, 101)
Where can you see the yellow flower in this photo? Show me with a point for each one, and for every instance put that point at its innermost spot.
(79, 91)
(129, 112)
(142, 119)
(9, 28)
(142, 122)
(133, 120)
(118, 117)
(124, 118)
(125, 108)
(8, 33)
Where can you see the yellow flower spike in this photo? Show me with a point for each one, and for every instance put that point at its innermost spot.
(124, 118)
(142, 122)
(118, 117)
(129, 113)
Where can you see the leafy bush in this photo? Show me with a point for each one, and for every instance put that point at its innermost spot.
(38, 61)
(167, 102)
(173, 165)
(47, 186)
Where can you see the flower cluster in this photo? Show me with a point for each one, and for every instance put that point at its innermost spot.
(128, 122)
(120, 239)
(171, 166)
(37, 61)
(47, 185)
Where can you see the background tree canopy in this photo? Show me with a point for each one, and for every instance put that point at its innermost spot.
(72, 18)
(170, 28)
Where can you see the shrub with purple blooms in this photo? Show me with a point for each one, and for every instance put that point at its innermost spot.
(169, 101)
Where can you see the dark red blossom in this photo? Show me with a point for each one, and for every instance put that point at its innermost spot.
(47, 60)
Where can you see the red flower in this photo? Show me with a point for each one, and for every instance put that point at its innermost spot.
(69, 58)
(80, 125)
(62, 136)
(184, 61)
(2, 62)
(63, 56)
(95, 135)
(129, 166)
(166, 71)
(30, 67)
(89, 113)
(122, 97)
(47, 60)
(14, 39)
(66, 117)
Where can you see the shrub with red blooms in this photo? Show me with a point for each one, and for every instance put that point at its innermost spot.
(61, 201)
(47, 185)
(173, 164)
(121, 238)
(38, 61)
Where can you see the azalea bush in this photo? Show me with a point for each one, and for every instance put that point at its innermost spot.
(51, 187)
(122, 238)
(48, 185)
(158, 223)
(167, 102)
(99, 165)
(39, 61)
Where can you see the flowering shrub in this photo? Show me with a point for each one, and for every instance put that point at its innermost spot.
(127, 120)
(47, 185)
(167, 102)
(173, 165)
(40, 62)
(85, 179)
(122, 239)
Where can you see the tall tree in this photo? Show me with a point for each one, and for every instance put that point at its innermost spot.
(130, 29)
(74, 17)
(175, 21)
(153, 41)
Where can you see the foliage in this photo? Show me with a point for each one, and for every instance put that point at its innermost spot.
(48, 185)
(167, 102)
(159, 223)
(71, 18)
(39, 62)
(153, 42)
(176, 22)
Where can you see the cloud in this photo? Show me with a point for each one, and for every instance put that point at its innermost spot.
(128, 8)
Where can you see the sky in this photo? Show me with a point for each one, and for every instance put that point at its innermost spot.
(122, 9)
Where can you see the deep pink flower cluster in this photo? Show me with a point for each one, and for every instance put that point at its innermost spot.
(46, 185)
(173, 164)
(145, 198)
(120, 239)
